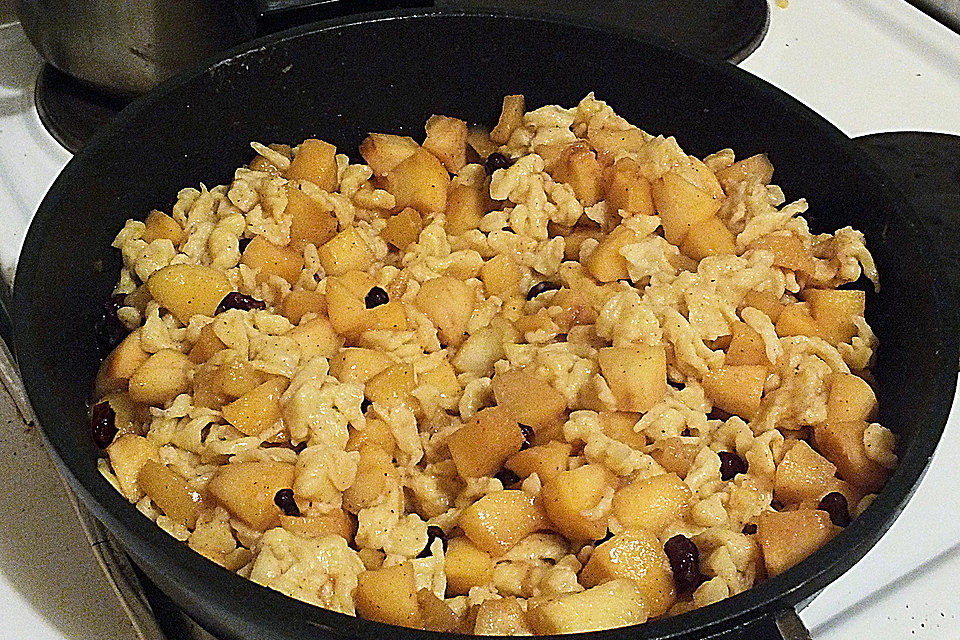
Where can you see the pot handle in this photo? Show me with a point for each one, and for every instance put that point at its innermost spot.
(274, 15)
(6, 324)
(784, 625)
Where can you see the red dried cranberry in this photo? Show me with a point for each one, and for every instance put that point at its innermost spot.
(364, 405)
(835, 503)
(528, 434)
(103, 424)
(749, 529)
(243, 243)
(730, 465)
(685, 562)
(433, 533)
(494, 161)
(237, 300)
(110, 330)
(506, 477)
(285, 500)
(376, 297)
(541, 287)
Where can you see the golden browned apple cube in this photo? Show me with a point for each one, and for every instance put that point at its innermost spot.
(206, 345)
(681, 205)
(851, 398)
(709, 237)
(736, 389)
(530, 400)
(501, 276)
(788, 537)
(247, 490)
(375, 432)
(834, 311)
(795, 320)
(447, 139)
(189, 289)
(337, 522)
(273, 260)
(165, 375)
(419, 181)
(803, 474)
(652, 503)
(122, 362)
(545, 460)
(403, 229)
(376, 474)
(614, 604)
(756, 169)
(567, 495)
(675, 455)
(313, 223)
(480, 447)
(258, 409)
(627, 190)
(573, 239)
(170, 492)
(128, 453)
(316, 337)
(619, 425)
(356, 364)
(160, 225)
(511, 117)
(466, 566)
(613, 140)
(315, 161)
(384, 151)
(347, 309)
(842, 444)
(746, 347)
(636, 555)
(606, 263)
(237, 377)
(448, 303)
(389, 595)
(765, 302)
(298, 303)
(575, 309)
(501, 617)
(499, 520)
(465, 207)
(636, 374)
(435, 614)
(392, 386)
(578, 166)
(346, 251)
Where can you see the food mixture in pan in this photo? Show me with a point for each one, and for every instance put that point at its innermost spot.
(555, 376)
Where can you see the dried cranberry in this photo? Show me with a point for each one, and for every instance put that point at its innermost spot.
(376, 297)
(685, 562)
(496, 161)
(528, 434)
(237, 300)
(284, 499)
(730, 465)
(749, 529)
(109, 328)
(103, 424)
(541, 287)
(507, 477)
(364, 405)
(433, 533)
(835, 503)
(243, 243)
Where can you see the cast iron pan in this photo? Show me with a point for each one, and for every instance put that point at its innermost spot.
(389, 73)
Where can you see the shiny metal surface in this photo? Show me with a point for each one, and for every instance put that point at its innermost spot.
(127, 46)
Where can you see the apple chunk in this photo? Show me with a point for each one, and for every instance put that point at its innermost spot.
(637, 375)
(788, 537)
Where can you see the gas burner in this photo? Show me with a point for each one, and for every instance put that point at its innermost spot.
(70, 110)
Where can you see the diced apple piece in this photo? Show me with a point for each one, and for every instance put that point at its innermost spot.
(575, 309)
(788, 251)
(312, 223)
(237, 377)
(298, 303)
(384, 151)
(736, 389)
(709, 237)
(787, 537)
(478, 138)
(636, 374)
(189, 289)
(619, 425)
(448, 303)
(444, 379)
(627, 190)
(165, 375)
(447, 139)
(614, 604)
(755, 169)
(573, 239)
(435, 614)
(376, 432)
(850, 398)
(337, 522)
(160, 225)
(578, 166)
(316, 337)
(605, 263)
(765, 302)
(612, 141)
(568, 494)
(356, 364)
(501, 617)
(499, 520)
(248, 489)
(403, 229)
(675, 455)
(206, 345)
(652, 503)
(389, 595)
(479, 352)
(530, 400)
(636, 555)
(122, 362)
(206, 389)
(834, 311)
(681, 206)
(170, 492)
(545, 460)
(420, 182)
(273, 260)
(346, 251)
(465, 207)
(376, 474)
(466, 566)
(346, 306)
(315, 161)
(746, 347)
(128, 454)
(258, 409)
(501, 437)
(794, 320)
(803, 474)
(842, 444)
(501, 276)
(391, 386)
(511, 117)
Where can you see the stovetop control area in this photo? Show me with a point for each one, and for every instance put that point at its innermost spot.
(869, 67)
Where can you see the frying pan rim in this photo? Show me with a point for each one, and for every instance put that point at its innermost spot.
(768, 597)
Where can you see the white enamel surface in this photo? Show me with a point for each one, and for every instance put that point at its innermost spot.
(867, 66)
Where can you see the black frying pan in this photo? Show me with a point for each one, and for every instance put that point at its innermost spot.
(389, 73)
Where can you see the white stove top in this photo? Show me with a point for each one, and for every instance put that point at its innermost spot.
(869, 66)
